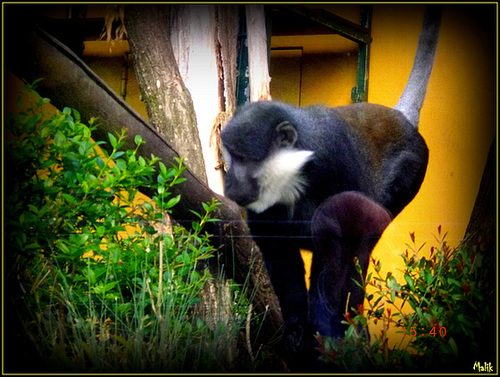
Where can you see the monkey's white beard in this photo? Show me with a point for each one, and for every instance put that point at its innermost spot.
(280, 179)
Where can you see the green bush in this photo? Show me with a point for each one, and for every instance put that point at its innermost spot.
(96, 282)
(450, 324)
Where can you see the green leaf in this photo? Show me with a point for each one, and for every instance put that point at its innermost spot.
(454, 282)
(63, 247)
(100, 163)
(78, 239)
(148, 206)
(393, 296)
(410, 283)
(429, 279)
(59, 139)
(69, 198)
(392, 282)
(103, 288)
(196, 227)
(121, 164)
(112, 140)
(76, 114)
(163, 168)
(161, 180)
(85, 147)
(172, 202)
(168, 241)
(350, 332)
(195, 276)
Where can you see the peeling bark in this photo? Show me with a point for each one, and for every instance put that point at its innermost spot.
(258, 62)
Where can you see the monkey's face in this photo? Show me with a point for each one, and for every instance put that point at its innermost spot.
(240, 180)
(259, 185)
(266, 169)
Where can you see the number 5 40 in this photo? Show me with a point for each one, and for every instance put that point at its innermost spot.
(433, 331)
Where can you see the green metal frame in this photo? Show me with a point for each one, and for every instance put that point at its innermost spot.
(360, 34)
(242, 80)
(360, 92)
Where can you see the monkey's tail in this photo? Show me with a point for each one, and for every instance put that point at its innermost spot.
(413, 95)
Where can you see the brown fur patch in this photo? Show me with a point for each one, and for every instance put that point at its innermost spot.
(379, 128)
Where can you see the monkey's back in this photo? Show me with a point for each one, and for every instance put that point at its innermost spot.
(374, 146)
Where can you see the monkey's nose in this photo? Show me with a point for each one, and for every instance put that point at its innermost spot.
(243, 200)
(242, 197)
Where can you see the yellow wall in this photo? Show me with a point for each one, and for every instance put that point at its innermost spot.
(108, 60)
(457, 120)
(311, 79)
(341, 78)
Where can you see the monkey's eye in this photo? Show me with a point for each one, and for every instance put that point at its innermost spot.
(241, 159)
(248, 161)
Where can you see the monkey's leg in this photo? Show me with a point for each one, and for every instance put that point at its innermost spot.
(403, 176)
(286, 269)
(345, 226)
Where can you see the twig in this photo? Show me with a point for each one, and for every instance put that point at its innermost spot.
(151, 296)
(249, 345)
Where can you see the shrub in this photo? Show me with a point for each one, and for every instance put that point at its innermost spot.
(448, 325)
(98, 277)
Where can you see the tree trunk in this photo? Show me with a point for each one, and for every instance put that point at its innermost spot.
(481, 237)
(167, 99)
(482, 224)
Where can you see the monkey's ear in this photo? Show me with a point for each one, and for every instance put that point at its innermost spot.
(286, 134)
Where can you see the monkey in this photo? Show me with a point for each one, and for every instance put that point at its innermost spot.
(328, 180)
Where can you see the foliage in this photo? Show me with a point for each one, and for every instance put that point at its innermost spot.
(99, 277)
(441, 314)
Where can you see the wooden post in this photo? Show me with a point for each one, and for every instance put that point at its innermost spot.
(258, 53)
